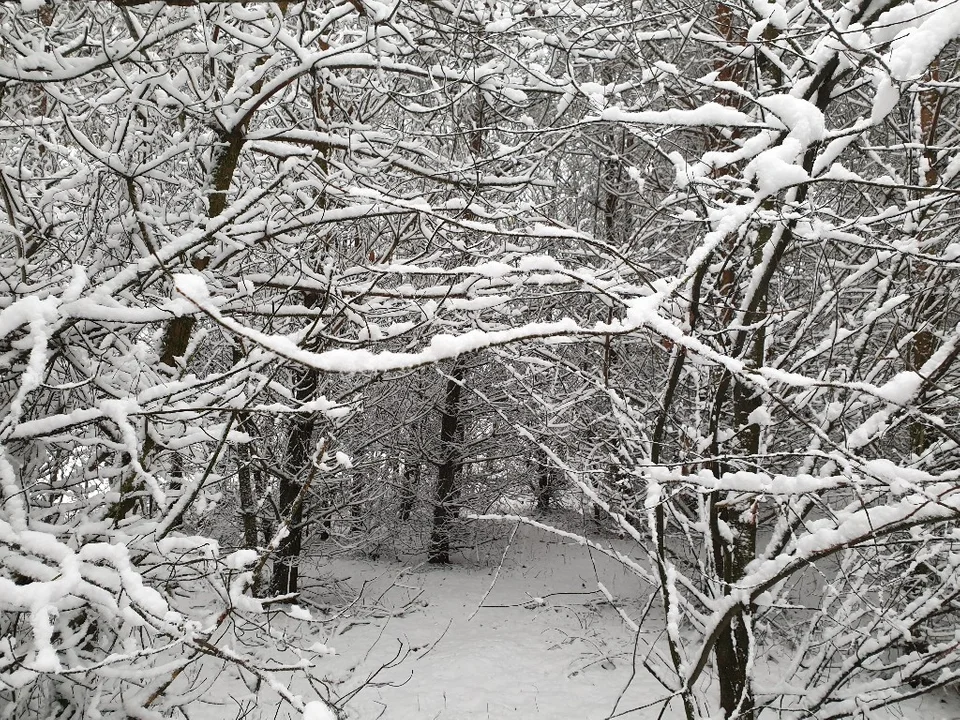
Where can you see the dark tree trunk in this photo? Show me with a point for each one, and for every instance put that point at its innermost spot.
(261, 490)
(545, 482)
(732, 555)
(355, 498)
(408, 489)
(451, 430)
(733, 642)
(248, 494)
(247, 491)
(925, 341)
(296, 468)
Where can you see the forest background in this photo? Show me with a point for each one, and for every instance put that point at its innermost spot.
(363, 271)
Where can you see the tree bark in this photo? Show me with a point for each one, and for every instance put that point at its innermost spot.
(246, 490)
(306, 380)
(924, 341)
(733, 527)
(546, 482)
(451, 429)
(408, 489)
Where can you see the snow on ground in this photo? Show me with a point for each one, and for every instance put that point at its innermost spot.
(545, 643)
(532, 639)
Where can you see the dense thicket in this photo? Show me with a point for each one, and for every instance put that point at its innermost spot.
(358, 268)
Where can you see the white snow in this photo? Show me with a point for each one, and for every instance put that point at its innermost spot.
(901, 388)
(317, 710)
(549, 634)
(778, 168)
(192, 286)
(708, 114)
(885, 99)
(912, 53)
(557, 624)
(241, 559)
(299, 612)
(802, 118)
(759, 416)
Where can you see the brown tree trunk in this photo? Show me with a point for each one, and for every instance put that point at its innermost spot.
(735, 546)
(924, 340)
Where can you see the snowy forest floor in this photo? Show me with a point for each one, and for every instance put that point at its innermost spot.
(504, 632)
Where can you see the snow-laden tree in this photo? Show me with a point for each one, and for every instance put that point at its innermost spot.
(797, 459)
(731, 225)
(212, 212)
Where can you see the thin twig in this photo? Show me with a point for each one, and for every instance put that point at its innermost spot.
(496, 574)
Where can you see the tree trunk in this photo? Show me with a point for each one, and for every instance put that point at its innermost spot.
(451, 429)
(924, 340)
(177, 335)
(246, 490)
(733, 526)
(545, 482)
(248, 498)
(261, 490)
(298, 458)
(408, 489)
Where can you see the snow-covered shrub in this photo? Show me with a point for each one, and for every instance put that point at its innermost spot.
(114, 623)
